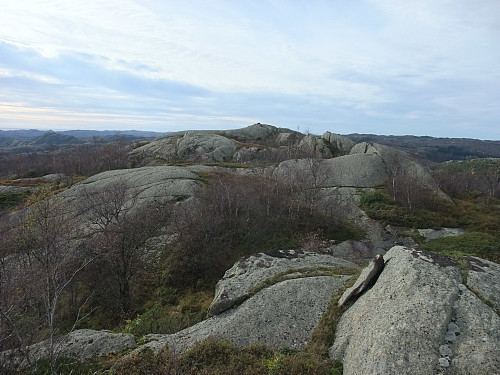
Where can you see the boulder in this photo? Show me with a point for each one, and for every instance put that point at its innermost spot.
(282, 315)
(398, 162)
(199, 146)
(418, 319)
(15, 189)
(163, 148)
(336, 172)
(82, 344)
(253, 133)
(151, 183)
(355, 251)
(246, 274)
(285, 139)
(340, 145)
(431, 234)
(312, 146)
(368, 277)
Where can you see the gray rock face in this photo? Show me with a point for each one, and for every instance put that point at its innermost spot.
(340, 144)
(397, 162)
(284, 314)
(205, 147)
(162, 182)
(82, 344)
(313, 146)
(252, 133)
(484, 276)
(288, 138)
(431, 234)
(398, 325)
(164, 148)
(249, 272)
(365, 280)
(474, 346)
(86, 343)
(418, 319)
(337, 172)
(14, 189)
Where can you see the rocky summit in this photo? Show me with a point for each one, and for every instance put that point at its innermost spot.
(364, 270)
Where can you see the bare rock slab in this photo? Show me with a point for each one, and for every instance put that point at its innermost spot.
(283, 315)
(82, 344)
(398, 326)
(476, 345)
(484, 277)
(431, 234)
(248, 272)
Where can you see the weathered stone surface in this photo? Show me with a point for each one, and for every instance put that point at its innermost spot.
(162, 182)
(82, 344)
(252, 154)
(484, 276)
(397, 162)
(398, 325)
(250, 271)
(284, 314)
(14, 189)
(312, 146)
(355, 251)
(367, 278)
(286, 138)
(164, 148)
(205, 147)
(431, 234)
(253, 133)
(475, 347)
(337, 172)
(340, 144)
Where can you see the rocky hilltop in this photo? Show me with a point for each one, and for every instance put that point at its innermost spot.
(408, 311)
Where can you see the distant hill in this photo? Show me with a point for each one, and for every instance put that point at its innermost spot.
(55, 139)
(33, 140)
(33, 133)
(435, 149)
(112, 133)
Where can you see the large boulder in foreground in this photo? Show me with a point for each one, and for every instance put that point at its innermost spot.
(276, 299)
(282, 315)
(249, 272)
(418, 318)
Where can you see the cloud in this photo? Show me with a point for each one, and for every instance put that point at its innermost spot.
(375, 66)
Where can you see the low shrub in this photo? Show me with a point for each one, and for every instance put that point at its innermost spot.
(218, 357)
(478, 244)
(10, 200)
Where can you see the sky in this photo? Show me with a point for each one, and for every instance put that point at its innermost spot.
(417, 67)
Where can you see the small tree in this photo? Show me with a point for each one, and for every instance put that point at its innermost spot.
(119, 229)
(43, 266)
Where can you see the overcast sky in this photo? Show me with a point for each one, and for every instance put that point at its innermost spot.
(421, 67)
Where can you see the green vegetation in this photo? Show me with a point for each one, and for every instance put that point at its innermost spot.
(70, 366)
(214, 357)
(478, 244)
(170, 312)
(379, 206)
(297, 273)
(10, 200)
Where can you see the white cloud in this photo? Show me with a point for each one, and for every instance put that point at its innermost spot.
(375, 56)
